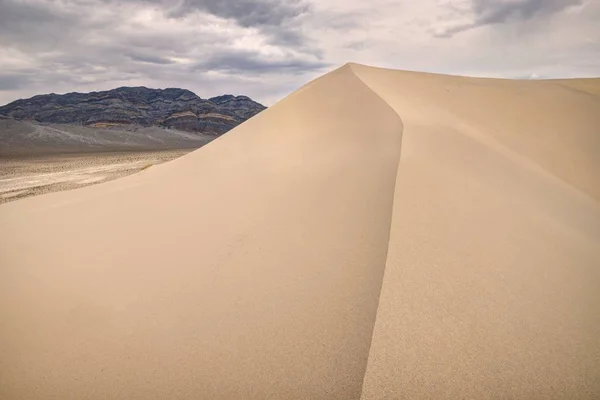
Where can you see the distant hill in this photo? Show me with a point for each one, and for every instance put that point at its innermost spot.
(171, 108)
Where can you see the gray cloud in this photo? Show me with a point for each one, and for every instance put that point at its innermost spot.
(247, 13)
(495, 12)
(267, 48)
(12, 81)
(242, 61)
(277, 18)
(491, 12)
(33, 25)
(147, 58)
(42, 24)
(87, 43)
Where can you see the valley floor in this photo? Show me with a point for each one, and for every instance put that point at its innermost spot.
(29, 176)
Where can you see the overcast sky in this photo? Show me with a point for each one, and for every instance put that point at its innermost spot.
(267, 48)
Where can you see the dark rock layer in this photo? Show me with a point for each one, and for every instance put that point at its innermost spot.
(168, 108)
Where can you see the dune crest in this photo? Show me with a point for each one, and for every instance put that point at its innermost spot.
(303, 256)
(492, 268)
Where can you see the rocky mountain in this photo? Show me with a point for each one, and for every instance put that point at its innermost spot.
(171, 108)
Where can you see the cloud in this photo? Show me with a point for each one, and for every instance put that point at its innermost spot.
(32, 24)
(92, 45)
(12, 81)
(499, 11)
(267, 48)
(251, 63)
(247, 13)
(491, 12)
(276, 18)
(150, 59)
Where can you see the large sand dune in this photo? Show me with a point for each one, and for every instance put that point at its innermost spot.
(377, 234)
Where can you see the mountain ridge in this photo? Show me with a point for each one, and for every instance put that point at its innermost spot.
(172, 108)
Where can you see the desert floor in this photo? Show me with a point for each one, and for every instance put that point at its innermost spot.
(29, 176)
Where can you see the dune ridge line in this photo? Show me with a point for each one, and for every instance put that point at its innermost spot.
(293, 213)
(377, 234)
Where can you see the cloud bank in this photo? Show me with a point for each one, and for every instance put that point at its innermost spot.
(267, 48)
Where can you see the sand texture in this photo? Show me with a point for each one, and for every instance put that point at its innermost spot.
(377, 234)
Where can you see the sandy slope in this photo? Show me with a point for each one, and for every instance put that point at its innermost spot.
(253, 268)
(492, 275)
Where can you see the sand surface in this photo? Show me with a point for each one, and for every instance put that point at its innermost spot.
(22, 177)
(377, 234)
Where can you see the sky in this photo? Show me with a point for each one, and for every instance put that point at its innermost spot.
(266, 49)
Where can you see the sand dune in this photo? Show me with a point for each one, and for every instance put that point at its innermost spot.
(377, 234)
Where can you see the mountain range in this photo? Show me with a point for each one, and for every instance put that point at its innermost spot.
(122, 119)
(171, 108)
